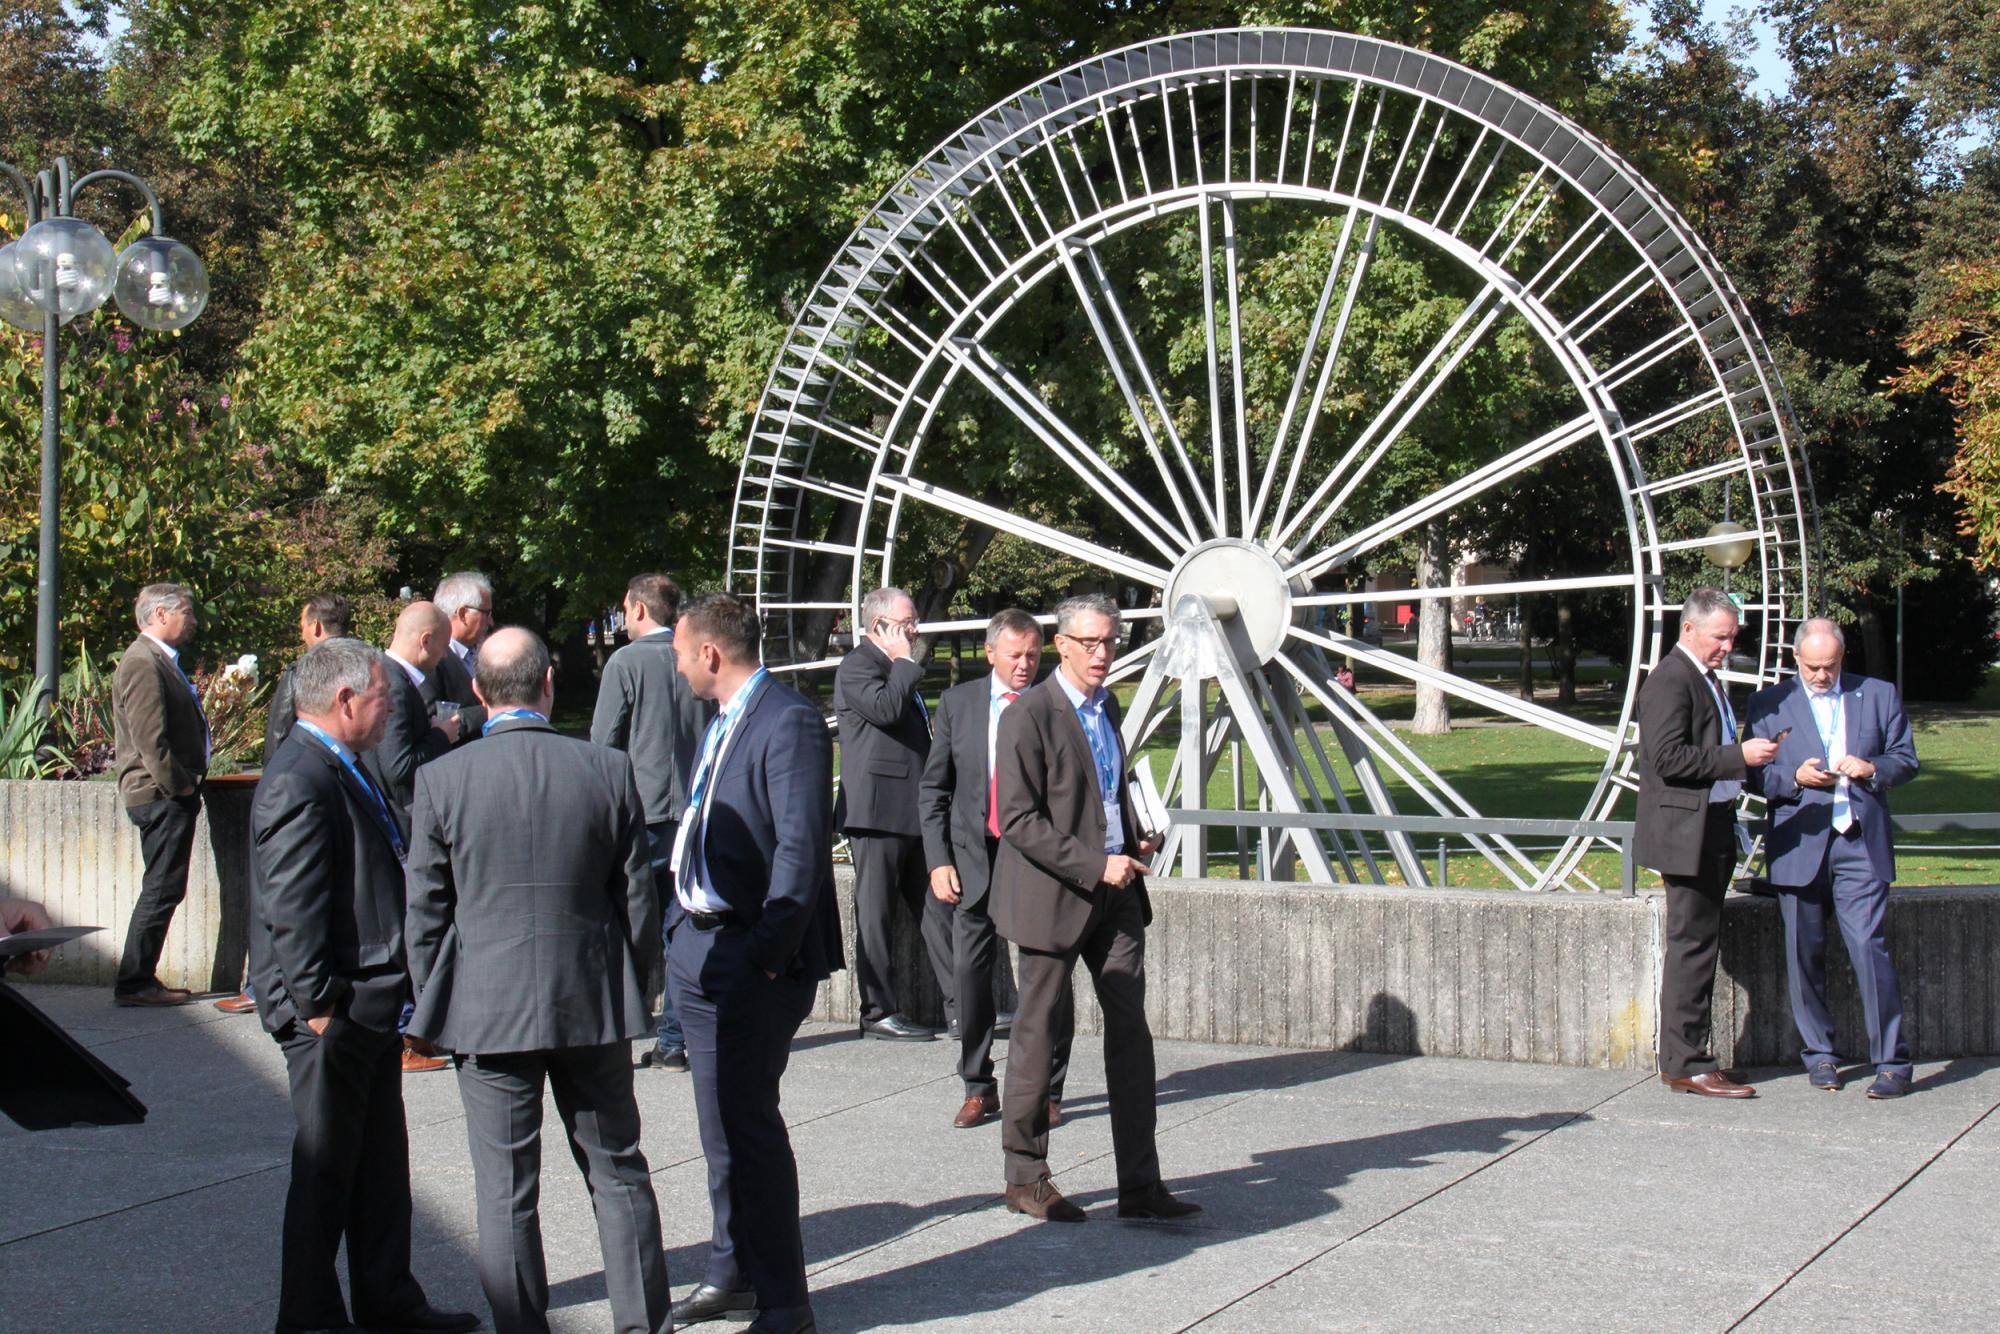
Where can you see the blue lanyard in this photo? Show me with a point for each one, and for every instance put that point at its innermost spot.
(718, 733)
(510, 716)
(1102, 750)
(346, 757)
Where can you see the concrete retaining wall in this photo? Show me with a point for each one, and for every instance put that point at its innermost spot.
(1554, 979)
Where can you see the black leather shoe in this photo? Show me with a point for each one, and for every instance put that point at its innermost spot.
(428, 1320)
(1155, 1202)
(895, 1028)
(707, 1302)
(673, 1060)
(784, 1320)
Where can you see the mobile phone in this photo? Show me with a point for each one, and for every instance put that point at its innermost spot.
(1783, 732)
(879, 626)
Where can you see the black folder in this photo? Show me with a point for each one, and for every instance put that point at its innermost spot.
(49, 1080)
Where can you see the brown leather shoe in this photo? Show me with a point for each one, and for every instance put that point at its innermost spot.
(152, 996)
(1710, 1084)
(977, 1111)
(1042, 1200)
(1055, 1112)
(416, 1063)
(241, 1003)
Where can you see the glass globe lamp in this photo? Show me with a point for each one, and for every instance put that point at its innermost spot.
(65, 265)
(15, 306)
(161, 284)
(1730, 545)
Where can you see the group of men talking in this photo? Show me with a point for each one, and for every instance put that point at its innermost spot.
(439, 877)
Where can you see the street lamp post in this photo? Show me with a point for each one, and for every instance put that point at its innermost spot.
(59, 268)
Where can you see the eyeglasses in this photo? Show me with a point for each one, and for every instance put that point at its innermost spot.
(1091, 646)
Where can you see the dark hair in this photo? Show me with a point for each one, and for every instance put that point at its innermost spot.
(658, 594)
(512, 678)
(1011, 621)
(726, 621)
(330, 610)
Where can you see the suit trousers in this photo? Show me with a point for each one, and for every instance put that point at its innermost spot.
(350, 1178)
(166, 842)
(739, 1025)
(978, 953)
(888, 868)
(502, 1094)
(1848, 890)
(1693, 935)
(660, 845)
(1114, 950)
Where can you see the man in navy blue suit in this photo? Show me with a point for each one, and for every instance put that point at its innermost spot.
(752, 930)
(1843, 743)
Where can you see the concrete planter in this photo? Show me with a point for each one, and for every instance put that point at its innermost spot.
(1555, 979)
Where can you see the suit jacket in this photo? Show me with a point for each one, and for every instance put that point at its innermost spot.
(1801, 818)
(884, 739)
(769, 835)
(326, 894)
(645, 708)
(281, 715)
(532, 916)
(158, 732)
(1680, 755)
(1045, 879)
(952, 802)
(408, 742)
(454, 683)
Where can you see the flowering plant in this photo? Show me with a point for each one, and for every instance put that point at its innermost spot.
(234, 704)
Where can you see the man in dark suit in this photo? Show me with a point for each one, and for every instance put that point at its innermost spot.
(326, 958)
(752, 931)
(885, 736)
(644, 708)
(1843, 742)
(161, 738)
(961, 836)
(323, 616)
(466, 599)
(532, 915)
(1068, 884)
(1692, 767)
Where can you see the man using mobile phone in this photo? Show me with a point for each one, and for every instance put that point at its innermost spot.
(1068, 883)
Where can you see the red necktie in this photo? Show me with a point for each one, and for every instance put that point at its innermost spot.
(993, 779)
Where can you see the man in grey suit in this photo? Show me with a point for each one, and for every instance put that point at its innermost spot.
(1843, 742)
(885, 736)
(1692, 764)
(645, 708)
(961, 836)
(531, 915)
(1069, 884)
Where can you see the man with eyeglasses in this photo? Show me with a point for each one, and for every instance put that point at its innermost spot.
(466, 599)
(1068, 883)
(885, 738)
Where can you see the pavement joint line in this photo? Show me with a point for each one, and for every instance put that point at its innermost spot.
(1423, 1199)
(146, 1204)
(1871, 1211)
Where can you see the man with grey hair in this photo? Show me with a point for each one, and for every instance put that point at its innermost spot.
(1843, 742)
(885, 737)
(466, 599)
(326, 958)
(1693, 760)
(1068, 884)
(162, 744)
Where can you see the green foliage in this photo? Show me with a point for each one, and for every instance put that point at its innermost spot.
(21, 731)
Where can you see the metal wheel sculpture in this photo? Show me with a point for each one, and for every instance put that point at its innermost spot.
(1218, 319)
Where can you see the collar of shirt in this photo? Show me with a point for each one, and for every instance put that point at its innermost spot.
(328, 740)
(173, 654)
(511, 716)
(666, 630)
(1078, 700)
(741, 699)
(1699, 665)
(410, 669)
(996, 688)
(460, 651)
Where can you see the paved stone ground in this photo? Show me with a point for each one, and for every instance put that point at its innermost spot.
(1343, 1191)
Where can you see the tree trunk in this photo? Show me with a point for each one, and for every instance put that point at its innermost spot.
(1565, 649)
(1878, 642)
(1524, 639)
(1433, 714)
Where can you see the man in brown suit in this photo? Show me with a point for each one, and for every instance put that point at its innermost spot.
(162, 743)
(1067, 884)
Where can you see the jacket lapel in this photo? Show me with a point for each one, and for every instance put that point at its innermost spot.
(1071, 729)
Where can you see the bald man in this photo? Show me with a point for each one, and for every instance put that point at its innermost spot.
(414, 738)
(1843, 742)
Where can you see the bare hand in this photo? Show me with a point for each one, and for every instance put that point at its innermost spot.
(1758, 751)
(1149, 845)
(895, 640)
(1120, 870)
(1810, 774)
(318, 1025)
(1853, 766)
(944, 884)
(448, 726)
(25, 915)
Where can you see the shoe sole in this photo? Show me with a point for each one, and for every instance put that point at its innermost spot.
(1045, 1218)
(898, 1037)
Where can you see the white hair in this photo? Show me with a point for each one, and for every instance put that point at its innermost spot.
(464, 589)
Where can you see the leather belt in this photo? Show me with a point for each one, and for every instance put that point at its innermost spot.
(713, 921)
